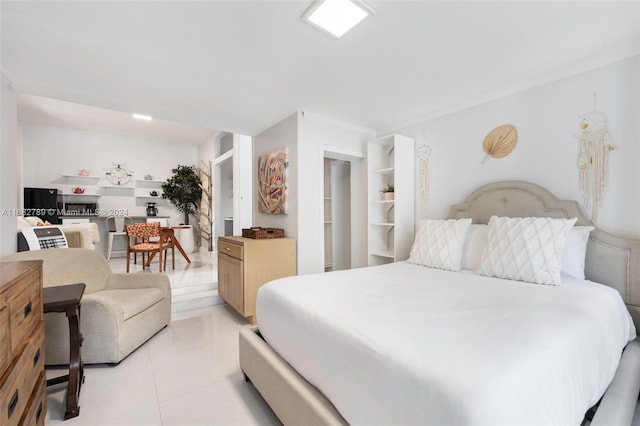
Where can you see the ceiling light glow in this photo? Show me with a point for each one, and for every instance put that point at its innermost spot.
(142, 117)
(337, 16)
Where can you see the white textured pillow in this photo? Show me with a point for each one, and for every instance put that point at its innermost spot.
(438, 243)
(525, 249)
(474, 245)
(575, 251)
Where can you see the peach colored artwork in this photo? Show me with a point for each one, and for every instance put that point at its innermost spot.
(273, 169)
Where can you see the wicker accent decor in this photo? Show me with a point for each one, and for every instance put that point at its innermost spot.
(258, 233)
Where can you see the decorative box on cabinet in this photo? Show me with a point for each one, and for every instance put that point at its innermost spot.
(22, 377)
(244, 264)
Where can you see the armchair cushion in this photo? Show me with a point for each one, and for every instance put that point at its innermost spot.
(133, 301)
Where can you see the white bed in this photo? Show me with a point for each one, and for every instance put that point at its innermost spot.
(406, 344)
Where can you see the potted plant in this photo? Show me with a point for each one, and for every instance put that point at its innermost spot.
(388, 192)
(183, 190)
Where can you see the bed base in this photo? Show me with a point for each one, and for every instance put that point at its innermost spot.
(295, 401)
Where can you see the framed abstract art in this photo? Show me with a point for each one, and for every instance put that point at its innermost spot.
(273, 170)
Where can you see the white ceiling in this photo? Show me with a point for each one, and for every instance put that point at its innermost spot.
(241, 66)
(54, 112)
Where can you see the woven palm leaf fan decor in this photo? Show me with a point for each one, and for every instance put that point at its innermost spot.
(500, 141)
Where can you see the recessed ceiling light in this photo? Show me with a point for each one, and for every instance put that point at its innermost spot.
(142, 117)
(337, 16)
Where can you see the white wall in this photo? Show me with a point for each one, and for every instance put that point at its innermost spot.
(546, 118)
(50, 152)
(281, 135)
(8, 167)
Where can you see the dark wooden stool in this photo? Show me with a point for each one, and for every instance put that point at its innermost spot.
(66, 299)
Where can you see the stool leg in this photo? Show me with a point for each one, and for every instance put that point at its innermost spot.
(110, 246)
(75, 362)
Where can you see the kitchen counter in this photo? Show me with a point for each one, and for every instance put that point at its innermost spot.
(93, 216)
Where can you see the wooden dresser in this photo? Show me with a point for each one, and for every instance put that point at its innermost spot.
(244, 264)
(23, 395)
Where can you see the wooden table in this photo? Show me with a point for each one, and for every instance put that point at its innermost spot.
(66, 299)
(167, 232)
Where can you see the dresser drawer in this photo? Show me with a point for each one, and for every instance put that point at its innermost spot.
(5, 344)
(25, 309)
(231, 249)
(19, 385)
(37, 404)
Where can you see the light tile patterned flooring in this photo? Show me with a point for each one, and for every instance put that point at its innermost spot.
(188, 374)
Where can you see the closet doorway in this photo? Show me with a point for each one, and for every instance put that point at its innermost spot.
(337, 214)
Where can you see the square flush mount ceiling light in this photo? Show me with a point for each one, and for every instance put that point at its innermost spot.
(336, 17)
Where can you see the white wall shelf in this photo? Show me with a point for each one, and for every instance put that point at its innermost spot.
(383, 254)
(81, 195)
(391, 222)
(153, 182)
(384, 171)
(94, 178)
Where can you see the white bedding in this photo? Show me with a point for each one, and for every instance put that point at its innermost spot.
(406, 344)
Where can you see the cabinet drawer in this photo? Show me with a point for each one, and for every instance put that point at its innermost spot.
(25, 309)
(16, 391)
(37, 409)
(5, 345)
(233, 250)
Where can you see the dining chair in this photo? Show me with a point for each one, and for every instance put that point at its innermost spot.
(138, 241)
(167, 239)
(118, 225)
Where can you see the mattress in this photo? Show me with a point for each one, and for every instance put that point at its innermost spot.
(406, 344)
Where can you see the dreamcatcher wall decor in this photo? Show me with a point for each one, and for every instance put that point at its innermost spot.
(424, 156)
(594, 144)
(118, 175)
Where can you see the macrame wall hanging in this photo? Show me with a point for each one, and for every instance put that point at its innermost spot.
(500, 142)
(424, 156)
(593, 154)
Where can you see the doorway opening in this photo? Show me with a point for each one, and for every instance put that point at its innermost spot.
(338, 211)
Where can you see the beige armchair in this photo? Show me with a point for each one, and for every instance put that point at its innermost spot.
(119, 312)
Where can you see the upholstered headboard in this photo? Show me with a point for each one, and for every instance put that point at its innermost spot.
(611, 260)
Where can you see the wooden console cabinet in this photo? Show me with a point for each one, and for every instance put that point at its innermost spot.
(23, 395)
(244, 264)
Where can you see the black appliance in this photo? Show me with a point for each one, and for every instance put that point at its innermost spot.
(43, 203)
(152, 210)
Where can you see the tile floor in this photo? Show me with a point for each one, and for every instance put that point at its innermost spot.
(188, 374)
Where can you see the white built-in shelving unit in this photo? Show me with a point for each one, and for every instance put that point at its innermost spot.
(390, 222)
